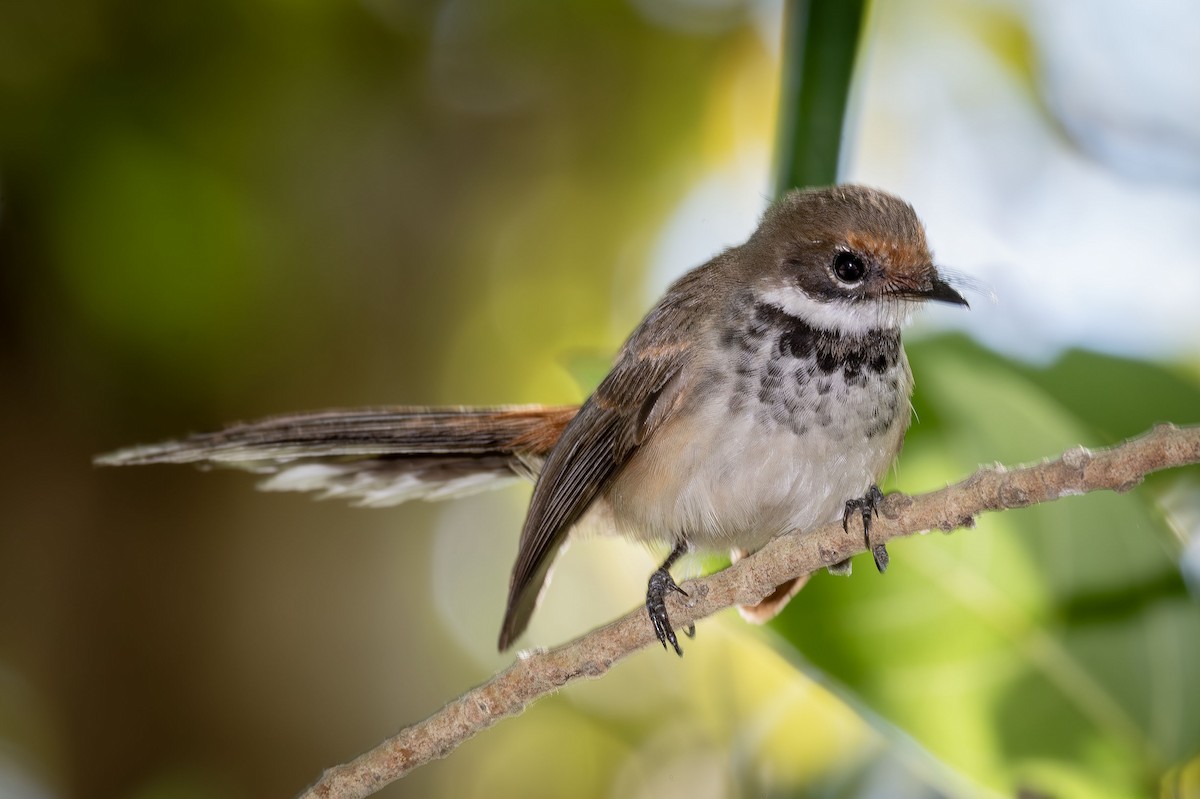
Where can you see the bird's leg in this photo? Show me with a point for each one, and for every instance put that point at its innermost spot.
(661, 583)
(868, 506)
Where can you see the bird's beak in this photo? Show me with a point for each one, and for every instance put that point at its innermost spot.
(941, 291)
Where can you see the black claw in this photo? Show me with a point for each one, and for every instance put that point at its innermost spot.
(881, 558)
(656, 606)
(660, 584)
(868, 507)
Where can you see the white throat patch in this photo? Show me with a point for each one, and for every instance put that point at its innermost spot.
(841, 316)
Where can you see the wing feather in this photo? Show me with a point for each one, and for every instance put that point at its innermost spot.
(633, 400)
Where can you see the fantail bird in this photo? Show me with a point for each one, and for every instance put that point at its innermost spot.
(767, 391)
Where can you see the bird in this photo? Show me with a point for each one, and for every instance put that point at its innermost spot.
(766, 391)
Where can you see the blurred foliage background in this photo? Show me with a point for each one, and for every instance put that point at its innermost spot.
(214, 211)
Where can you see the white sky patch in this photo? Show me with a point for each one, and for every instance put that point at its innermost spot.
(1078, 250)
(1075, 204)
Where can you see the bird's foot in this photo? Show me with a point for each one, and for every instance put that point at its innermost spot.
(661, 584)
(868, 506)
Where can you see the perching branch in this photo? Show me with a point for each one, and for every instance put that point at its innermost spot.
(1078, 471)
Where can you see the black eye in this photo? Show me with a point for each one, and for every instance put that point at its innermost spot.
(848, 267)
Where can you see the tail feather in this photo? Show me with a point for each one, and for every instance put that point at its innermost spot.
(377, 456)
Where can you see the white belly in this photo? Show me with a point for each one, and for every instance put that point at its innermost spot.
(735, 475)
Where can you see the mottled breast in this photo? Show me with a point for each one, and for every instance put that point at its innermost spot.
(783, 423)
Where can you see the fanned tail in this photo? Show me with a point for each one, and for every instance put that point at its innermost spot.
(374, 456)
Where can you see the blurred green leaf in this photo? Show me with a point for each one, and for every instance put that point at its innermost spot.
(1053, 647)
(157, 251)
(820, 43)
(1119, 397)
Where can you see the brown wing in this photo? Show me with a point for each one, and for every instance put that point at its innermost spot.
(641, 390)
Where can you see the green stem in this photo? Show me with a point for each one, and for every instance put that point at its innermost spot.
(820, 42)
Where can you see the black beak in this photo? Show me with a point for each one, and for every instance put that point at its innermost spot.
(941, 291)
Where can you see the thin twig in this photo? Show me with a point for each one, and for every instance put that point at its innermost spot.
(1078, 471)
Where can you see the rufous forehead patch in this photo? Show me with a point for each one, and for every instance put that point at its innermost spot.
(901, 257)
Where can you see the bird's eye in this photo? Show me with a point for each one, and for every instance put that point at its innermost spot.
(849, 268)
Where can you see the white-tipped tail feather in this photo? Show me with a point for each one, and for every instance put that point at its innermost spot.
(375, 457)
(379, 483)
